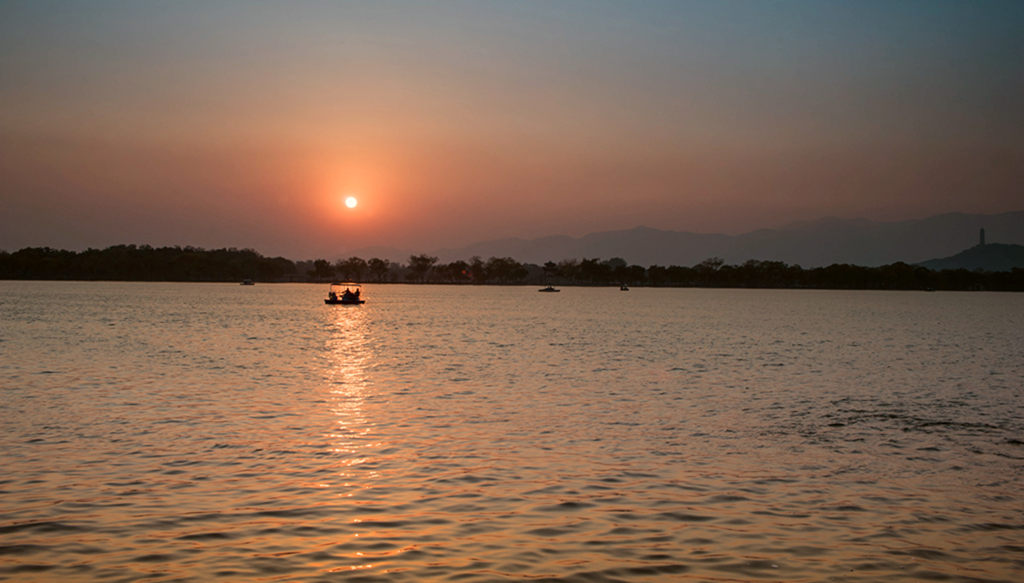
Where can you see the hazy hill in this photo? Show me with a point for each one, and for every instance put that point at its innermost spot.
(991, 257)
(808, 244)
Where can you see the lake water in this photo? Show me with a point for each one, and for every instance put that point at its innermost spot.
(196, 432)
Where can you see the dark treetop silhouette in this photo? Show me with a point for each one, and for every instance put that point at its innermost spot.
(145, 263)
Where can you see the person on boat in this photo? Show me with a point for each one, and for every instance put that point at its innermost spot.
(347, 295)
(332, 296)
(356, 294)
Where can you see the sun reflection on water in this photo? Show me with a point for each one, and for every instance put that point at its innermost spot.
(348, 382)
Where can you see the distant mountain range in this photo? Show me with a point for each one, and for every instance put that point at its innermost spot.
(808, 244)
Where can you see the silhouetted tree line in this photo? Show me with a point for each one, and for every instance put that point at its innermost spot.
(145, 263)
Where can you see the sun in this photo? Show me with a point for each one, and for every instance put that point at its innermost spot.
(351, 202)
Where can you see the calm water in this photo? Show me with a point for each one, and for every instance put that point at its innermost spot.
(194, 432)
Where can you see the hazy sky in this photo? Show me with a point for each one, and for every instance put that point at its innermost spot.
(245, 124)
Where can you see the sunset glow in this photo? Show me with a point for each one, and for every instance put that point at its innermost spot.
(238, 124)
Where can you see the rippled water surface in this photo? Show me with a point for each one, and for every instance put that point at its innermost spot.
(196, 432)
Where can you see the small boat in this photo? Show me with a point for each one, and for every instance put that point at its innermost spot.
(347, 297)
(623, 287)
(248, 282)
(549, 289)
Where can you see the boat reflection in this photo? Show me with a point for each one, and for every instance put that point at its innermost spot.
(347, 383)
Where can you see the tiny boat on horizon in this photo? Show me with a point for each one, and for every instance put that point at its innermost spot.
(549, 289)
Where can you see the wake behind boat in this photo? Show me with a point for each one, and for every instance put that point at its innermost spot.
(347, 297)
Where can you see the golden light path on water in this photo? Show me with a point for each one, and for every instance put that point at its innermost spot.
(348, 352)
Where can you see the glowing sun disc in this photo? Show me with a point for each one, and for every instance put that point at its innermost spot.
(351, 202)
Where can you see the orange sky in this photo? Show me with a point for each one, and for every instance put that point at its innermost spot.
(237, 124)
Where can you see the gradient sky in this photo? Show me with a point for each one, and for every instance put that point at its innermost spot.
(245, 124)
